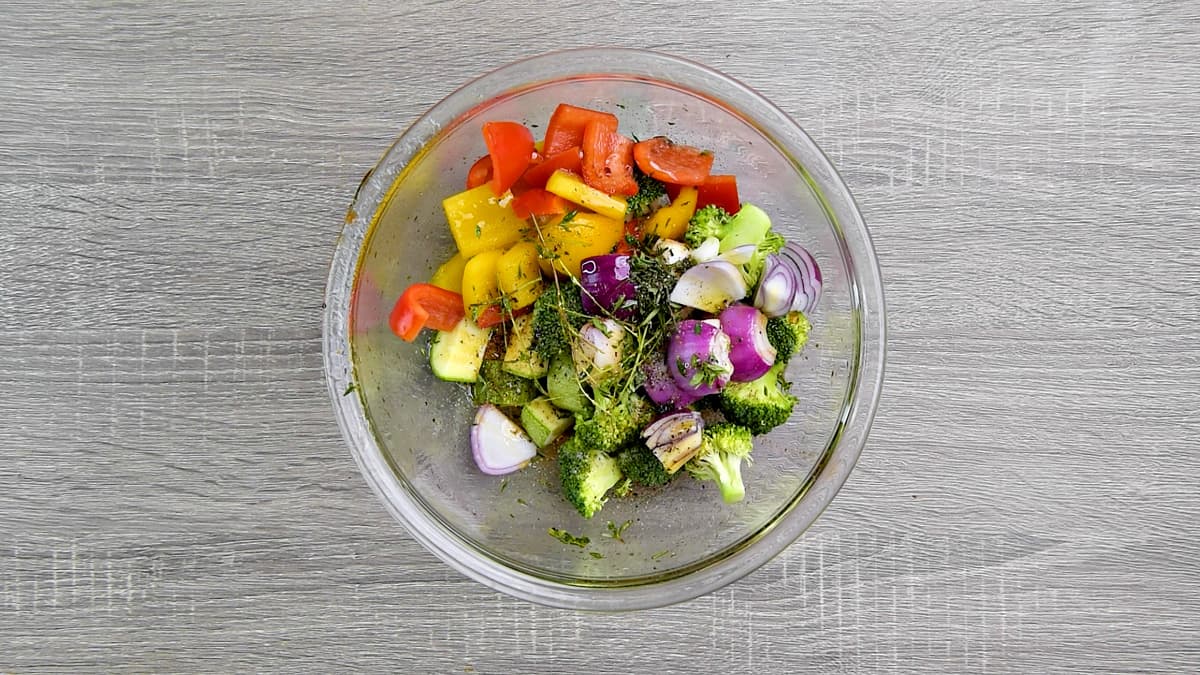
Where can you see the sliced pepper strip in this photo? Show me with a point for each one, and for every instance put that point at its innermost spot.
(425, 306)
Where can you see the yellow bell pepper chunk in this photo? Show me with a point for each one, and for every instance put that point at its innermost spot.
(479, 222)
(450, 274)
(518, 275)
(572, 188)
(479, 286)
(670, 222)
(567, 240)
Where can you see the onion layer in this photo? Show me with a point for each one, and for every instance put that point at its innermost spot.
(698, 357)
(750, 352)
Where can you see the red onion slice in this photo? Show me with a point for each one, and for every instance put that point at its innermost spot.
(751, 353)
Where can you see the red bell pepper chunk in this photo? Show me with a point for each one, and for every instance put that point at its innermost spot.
(538, 202)
(425, 306)
(569, 159)
(494, 315)
(608, 159)
(720, 190)
(480, 172)
(510, 146)
(566, 126)
(633, 234)
(670, 162)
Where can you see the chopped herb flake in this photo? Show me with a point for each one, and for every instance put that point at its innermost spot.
(568, 538)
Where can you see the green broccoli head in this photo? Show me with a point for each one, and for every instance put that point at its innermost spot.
(788, 334)
(708, 222)
(587, 474)
(759, 405)
(720, 459)
(499, 387)
(616, 421)
(557, 316)
(641, 465)
(650, 193)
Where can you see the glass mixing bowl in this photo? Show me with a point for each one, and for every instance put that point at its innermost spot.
(409, 431)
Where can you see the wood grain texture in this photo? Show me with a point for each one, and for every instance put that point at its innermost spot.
(175, 496)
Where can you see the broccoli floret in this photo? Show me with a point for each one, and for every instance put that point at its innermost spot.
(649, 195)
(788, 334)
(499, 387)
(616, 420)
(760, 405)
(720, 459)
(641, 465)
(557, 316)
(708, 222)
(750, 225)
(587, 473)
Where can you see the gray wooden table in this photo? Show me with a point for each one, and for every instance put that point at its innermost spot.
(174, 493)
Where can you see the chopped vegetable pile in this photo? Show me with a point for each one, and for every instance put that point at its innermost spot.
(614, 305)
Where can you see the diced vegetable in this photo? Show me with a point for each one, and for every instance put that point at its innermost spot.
(776, 287)
(608, 159)
(808, 276)
(425, 306)
(510, 147)
(598, 350)
(567, 124)
(538, 202)
(520, 358)
(750, 352)
(749, 226)
(563, 385)
(480, 287)
(499, 387)
(661, 388)
(710, 286)
(671, 162)
(518, 275)
(480, 172)
(543, 422)
(571, 188)
(721, 191)
(569, 160)
(498, 444)
(456, 355)
(478, 221)
(607, 287)
(672, 251)
(698, 357)
(675, 439)
(449, 274)
(494, 315)
(670, 222)
(565, 242)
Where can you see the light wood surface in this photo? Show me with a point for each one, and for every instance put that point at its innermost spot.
(174, 493)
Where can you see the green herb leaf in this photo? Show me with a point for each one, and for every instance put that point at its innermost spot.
(568, 538)
(616, 531)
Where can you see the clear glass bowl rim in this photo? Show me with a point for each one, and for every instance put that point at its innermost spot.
(864, 274)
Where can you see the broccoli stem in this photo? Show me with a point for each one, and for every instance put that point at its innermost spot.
(729, 479)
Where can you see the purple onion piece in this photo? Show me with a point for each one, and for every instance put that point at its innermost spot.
(698, 357)
(607, 287)
(750, 352)
(808, 277)
(661, 388)
(498, 444)
(776, 286)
